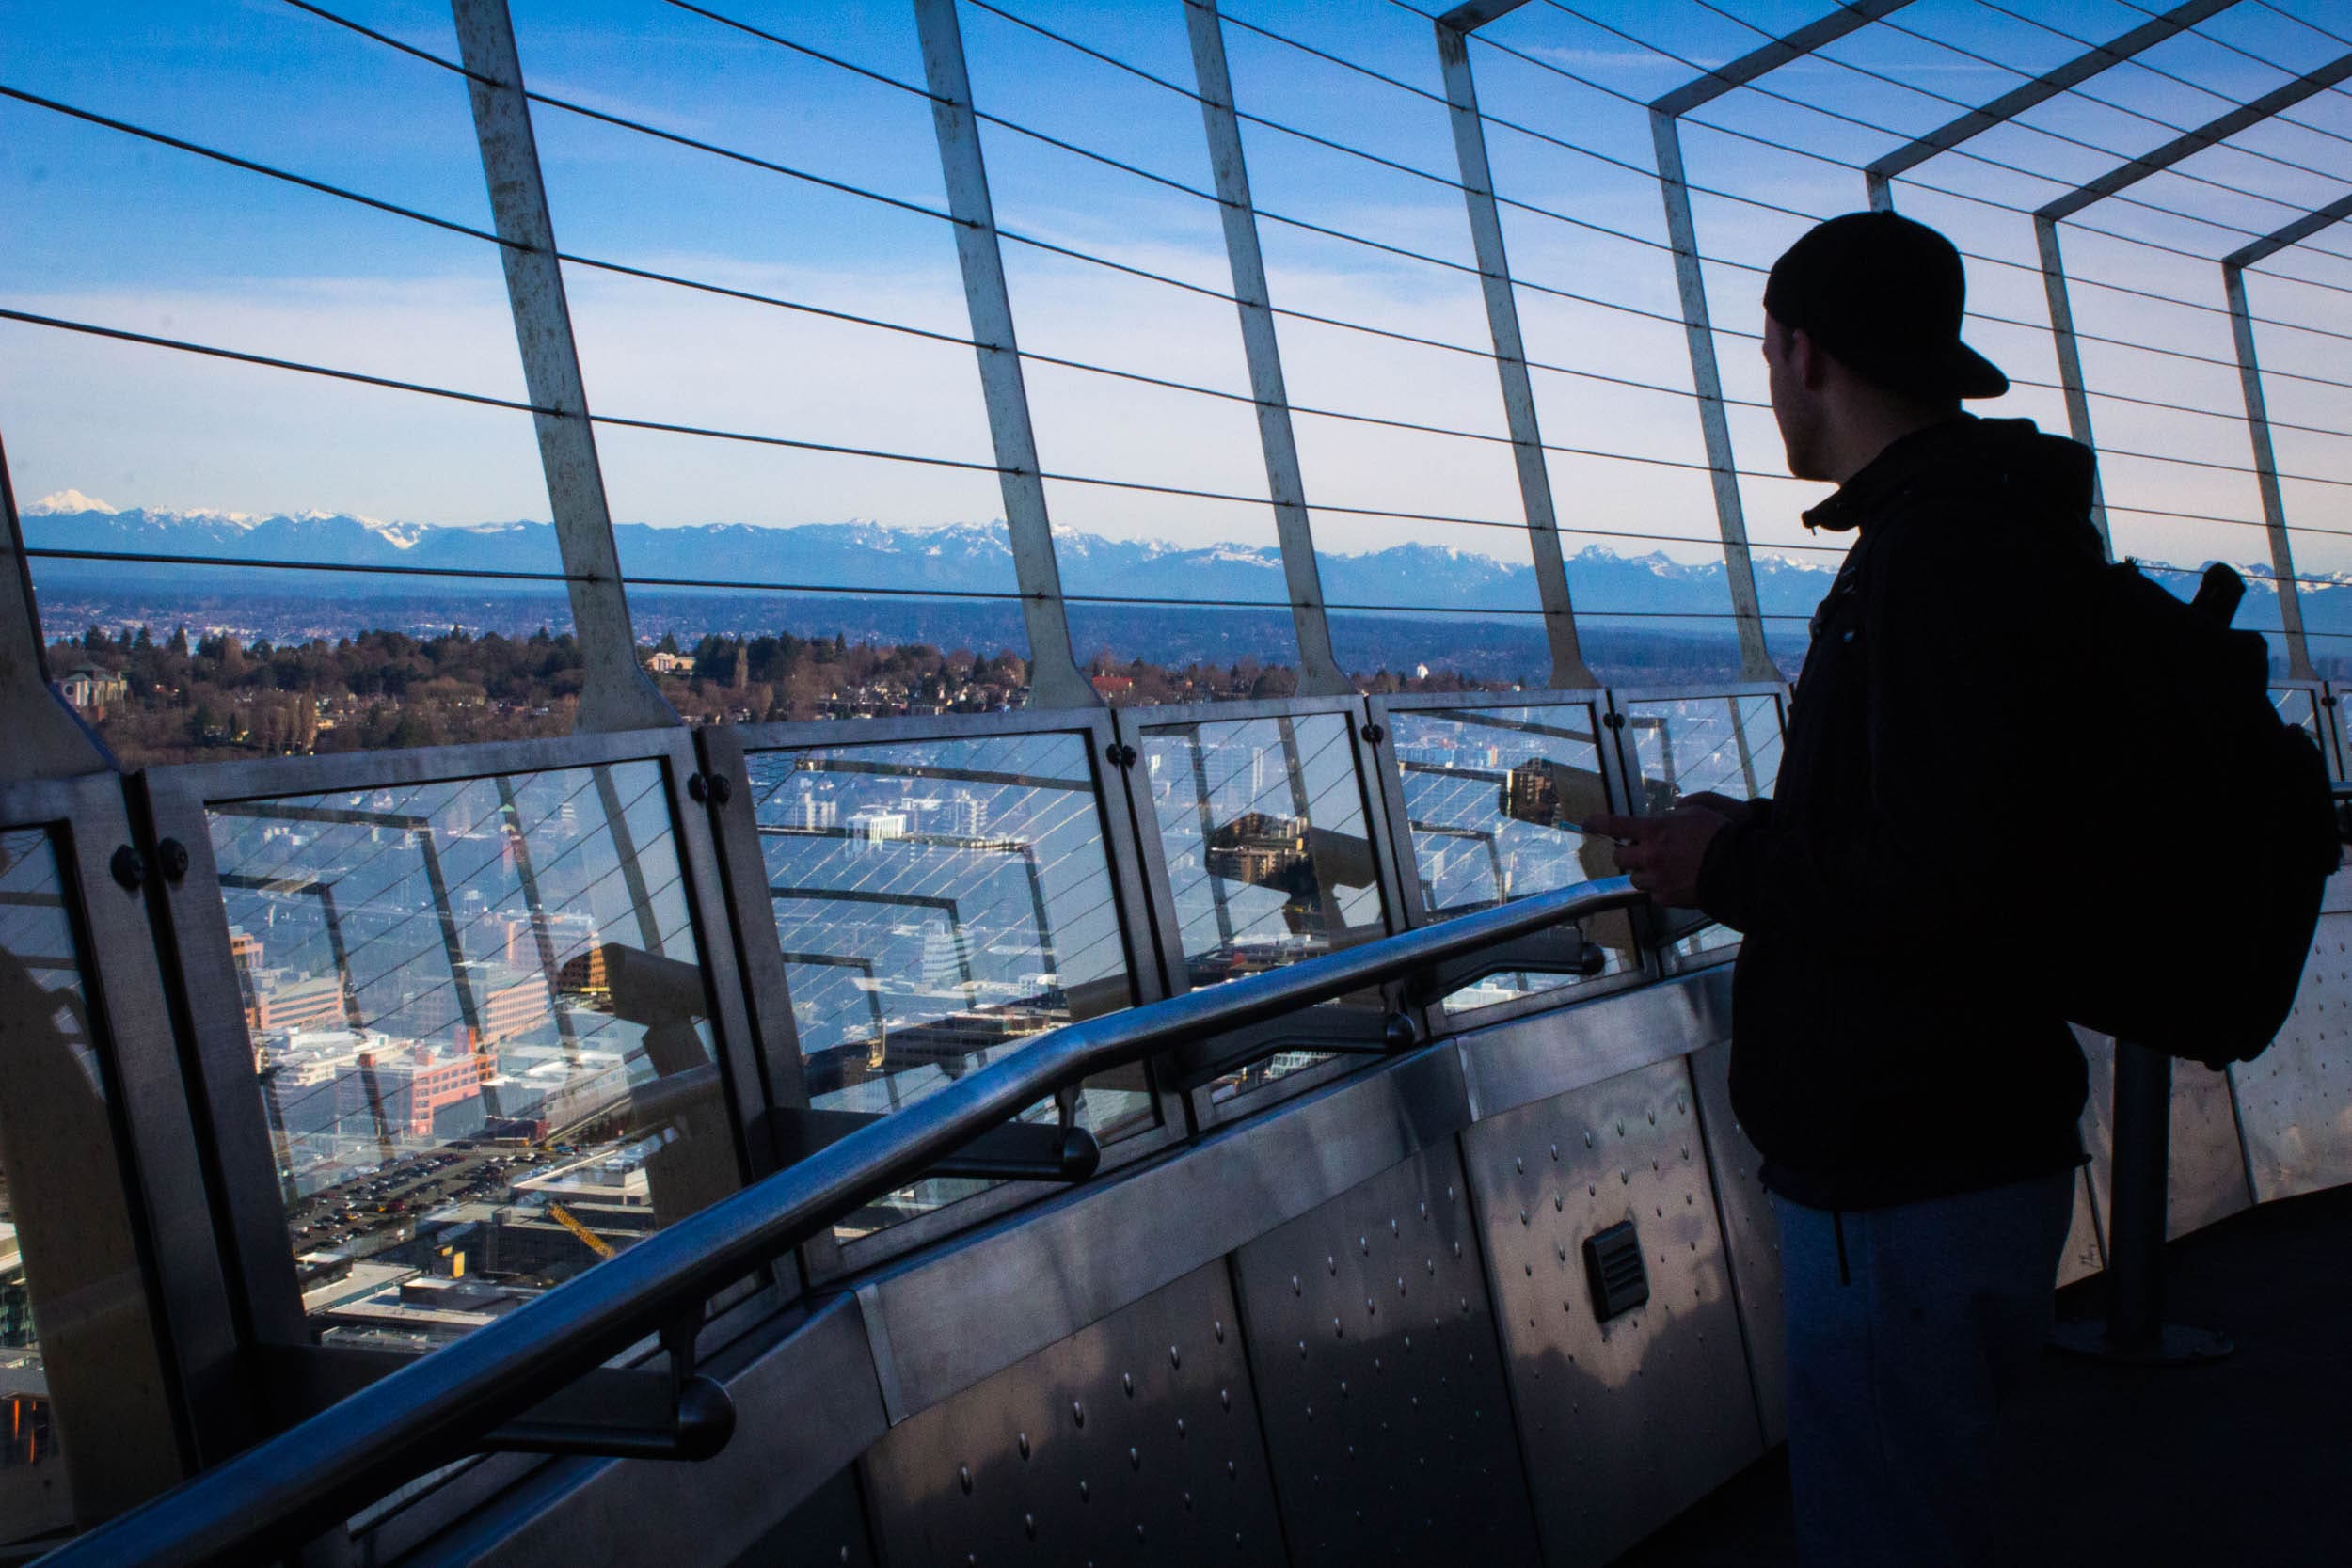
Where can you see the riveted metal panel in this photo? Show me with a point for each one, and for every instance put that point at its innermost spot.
(1624, 1423)
(1751, 1236)
(1387, 1422)
(828, 1531)
(1134, 1440)
(2206, 1162)
(2295, 1101)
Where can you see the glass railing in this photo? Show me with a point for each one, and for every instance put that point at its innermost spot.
(480, 1032)
(1491, 799)
(938, 902)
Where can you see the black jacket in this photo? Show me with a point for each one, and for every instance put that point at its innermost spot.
(1890, 1040)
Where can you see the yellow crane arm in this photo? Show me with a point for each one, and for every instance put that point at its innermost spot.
(596, 1243)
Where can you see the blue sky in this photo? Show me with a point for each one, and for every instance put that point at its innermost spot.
(110, 229)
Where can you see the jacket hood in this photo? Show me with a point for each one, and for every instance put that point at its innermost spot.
(1969, 459)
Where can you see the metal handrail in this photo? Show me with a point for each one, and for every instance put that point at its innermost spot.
(285, 1489)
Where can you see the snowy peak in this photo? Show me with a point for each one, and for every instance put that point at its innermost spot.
(69, 500)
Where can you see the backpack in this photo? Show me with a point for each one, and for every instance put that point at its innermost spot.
(2202, 859)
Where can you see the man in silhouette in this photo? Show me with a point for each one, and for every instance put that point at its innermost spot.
(1914, 1090)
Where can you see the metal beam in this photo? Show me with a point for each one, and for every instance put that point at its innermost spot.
(1319, 672)
(1568, 668)
(1054, 679)
(2213, 132)
(1477, 14)
(1768, 58)
(2069, 361)
(47, 739)
(2123, 177)
(2258, 420)
(615, 691)
(2293, 234)
(1756, 660)
(1881, 174)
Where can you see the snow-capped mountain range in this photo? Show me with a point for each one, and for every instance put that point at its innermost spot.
(965, 556)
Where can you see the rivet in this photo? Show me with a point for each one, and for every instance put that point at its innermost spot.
(1078, 1412)
(1337, 1331)
(1232, 1472)
(1400, 1285)
(1127, 1384)
(1449, 1192)
(1430, 1265)
(1024, 1442)
(1588, 1140)
(1295, 1287)
(1188, 1502)
(1342, 1387)
(1029, 1522)
(1225, 1396)
(1519, 1164)
(1218, 1329)
(963, 1474)
(1393, 1230)
(1135, 1459)
(1083, 1492)
(1363, 1245)
(1310, 1413)
(1175, 1357)
(1458, 1249)
(1138, 1533)
(1522, 1217)
(1559, 1203)
(1331, 1262)
(1555, 1151)
(1424, 1208)
(1302, 1350)
(1180, 1429)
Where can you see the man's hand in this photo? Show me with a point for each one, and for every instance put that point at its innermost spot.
(1730, 809)
(1662, 854)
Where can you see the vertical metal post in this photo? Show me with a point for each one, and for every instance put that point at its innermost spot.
(2258, 414)
(2123, 177)
(2135, 1331)
(1319, 672)
(615, 691)
(1665, 115)
(47, 739)
(2070, 362)
(2135, 1206)
(1568, 668)
(2266, 477)
(1755, 661)
(1054, 680)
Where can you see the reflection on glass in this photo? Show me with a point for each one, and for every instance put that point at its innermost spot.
(1262, 825)
(2297, 705)
(1493, 797)
(72, 1325)
(940, 902)
(1696, 745)
(479, 1021)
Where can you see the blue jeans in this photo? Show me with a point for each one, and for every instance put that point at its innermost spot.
(1908, 1326)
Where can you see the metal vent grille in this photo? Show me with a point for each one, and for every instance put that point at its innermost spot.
(1613, 1263)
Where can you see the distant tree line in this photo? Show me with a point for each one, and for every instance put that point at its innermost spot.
(181, 698)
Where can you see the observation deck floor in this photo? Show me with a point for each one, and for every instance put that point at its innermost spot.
(2248, 1461)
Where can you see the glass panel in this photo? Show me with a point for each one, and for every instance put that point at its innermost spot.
(1694, 745)
(1493, 797)
(480, 1023)
(938, 903)
(1262, 825)
(71, 1300)
(2297, 705)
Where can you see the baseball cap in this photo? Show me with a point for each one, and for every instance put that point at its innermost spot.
(1884, 294)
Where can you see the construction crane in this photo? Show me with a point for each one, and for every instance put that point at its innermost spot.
(596, 1243)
